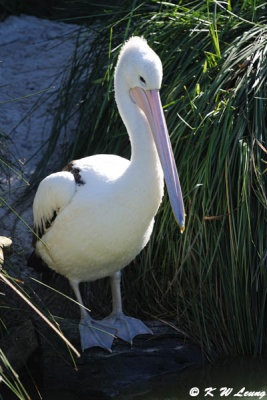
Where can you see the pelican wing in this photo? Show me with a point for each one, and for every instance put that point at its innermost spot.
(54, 193)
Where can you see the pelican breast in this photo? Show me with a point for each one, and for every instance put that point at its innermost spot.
(106, 223)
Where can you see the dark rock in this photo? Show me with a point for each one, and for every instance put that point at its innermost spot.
(102, 375)
(19, 344)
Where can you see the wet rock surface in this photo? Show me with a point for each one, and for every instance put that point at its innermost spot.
(99, 374)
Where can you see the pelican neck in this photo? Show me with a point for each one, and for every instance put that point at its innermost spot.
(143, 149)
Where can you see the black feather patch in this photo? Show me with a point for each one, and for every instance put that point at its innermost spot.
(40, 231)
(37, 263)
(49, 223)
(75, 172)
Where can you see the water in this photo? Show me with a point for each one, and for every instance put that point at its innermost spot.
(233, 375)
(245, 379)
(240, 379)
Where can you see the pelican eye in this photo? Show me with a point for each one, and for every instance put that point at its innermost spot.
(142, 79)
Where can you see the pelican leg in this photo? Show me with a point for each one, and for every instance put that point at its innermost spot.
(127, 327)
(92, 333)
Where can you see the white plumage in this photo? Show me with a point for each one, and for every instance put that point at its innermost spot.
(96, 216)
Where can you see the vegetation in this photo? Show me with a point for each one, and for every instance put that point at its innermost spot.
(211, 280)
(77, 11)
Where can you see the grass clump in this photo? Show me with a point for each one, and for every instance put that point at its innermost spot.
(212, 280)
(10, 379)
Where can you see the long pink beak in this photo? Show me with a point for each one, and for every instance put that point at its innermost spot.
(150, 104)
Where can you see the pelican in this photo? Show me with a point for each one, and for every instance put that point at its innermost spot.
(94, 217)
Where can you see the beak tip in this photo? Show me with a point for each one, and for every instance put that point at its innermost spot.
(181, 225)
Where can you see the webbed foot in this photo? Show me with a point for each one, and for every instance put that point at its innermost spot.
(96, 334)
(126, 327)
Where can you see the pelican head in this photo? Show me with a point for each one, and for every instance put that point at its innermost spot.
(140, 70)
(140, 65)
